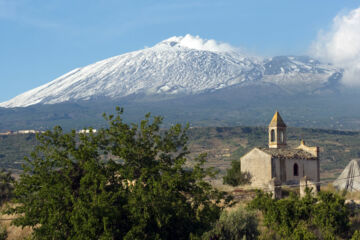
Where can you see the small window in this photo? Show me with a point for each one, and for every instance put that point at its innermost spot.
(281, 136)
(296, 170)
(272, 133)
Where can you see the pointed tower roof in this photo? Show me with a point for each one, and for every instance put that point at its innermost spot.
(277, 121)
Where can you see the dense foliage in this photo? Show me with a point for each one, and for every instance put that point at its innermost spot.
(356, 235)
(126, 181)
(234, 176)
(324, 217)
(6, 186)
(236, 225)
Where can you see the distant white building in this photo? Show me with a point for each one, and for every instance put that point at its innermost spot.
(27, 131)
(6, 133)
(87, 131)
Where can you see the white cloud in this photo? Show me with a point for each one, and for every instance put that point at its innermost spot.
(341, 45)
(195, 42)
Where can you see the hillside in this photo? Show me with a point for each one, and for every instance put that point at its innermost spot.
(13, 148)
(224, 144)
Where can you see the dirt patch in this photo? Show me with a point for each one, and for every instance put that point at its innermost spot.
(14, 232)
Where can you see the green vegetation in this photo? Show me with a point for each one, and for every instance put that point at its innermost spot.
(234, 176)
(135, 181)
(237, 225)
(3, 233)
(6, 186)
(356, 235)
(322, 217)
(127, 181)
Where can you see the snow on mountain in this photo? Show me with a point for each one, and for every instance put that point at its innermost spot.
(300, 74)
(178, 65)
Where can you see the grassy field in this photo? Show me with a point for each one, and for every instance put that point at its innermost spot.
(224, 144)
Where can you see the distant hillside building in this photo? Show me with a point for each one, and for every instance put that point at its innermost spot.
(279, 161)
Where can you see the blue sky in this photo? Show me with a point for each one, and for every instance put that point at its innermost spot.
(41, 40)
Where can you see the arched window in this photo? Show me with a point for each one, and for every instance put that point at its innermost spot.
(282, 136)
(272, 133)
(296, 170)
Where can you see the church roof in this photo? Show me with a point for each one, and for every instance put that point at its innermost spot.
(277, 121)
(288, 153)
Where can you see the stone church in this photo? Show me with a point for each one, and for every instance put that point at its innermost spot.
(279, 161)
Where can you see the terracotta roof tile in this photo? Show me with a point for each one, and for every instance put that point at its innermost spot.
(288, 153)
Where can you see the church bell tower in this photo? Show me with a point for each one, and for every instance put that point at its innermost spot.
(277, 132)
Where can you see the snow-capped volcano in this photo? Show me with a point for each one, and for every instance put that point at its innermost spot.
(178, 65)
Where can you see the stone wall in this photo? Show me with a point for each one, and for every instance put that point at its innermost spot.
(306, 167)
(312, 150)
(306, 182)
(275, 188)
(258, 164)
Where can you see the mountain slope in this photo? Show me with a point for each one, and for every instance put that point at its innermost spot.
(177, 67)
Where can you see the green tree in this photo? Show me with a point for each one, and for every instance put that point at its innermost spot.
(234, 176)
(324, 217)
(237, 225)
(332, 216)
(126, 181)
(6, 186)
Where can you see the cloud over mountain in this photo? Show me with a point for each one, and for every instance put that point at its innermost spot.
(195, 42)
(341, 45)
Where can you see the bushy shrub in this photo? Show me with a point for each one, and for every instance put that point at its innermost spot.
(332, 216)
(356, 235)
(237, 225)
(295, 218)
(234, 176)
(302, 232)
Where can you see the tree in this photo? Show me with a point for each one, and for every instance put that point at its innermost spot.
(236, 225)
(6, 188)
(324, 217)
(234, 176)
(126, 181)
(332, 215)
